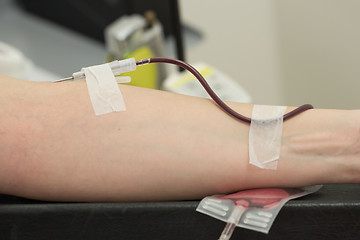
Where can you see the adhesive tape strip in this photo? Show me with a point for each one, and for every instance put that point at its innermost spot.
(265, 135)
(103, 90)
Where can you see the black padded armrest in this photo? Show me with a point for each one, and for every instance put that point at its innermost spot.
(331, 213)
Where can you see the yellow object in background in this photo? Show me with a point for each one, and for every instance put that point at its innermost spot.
(144, 76)
(187, 77)
(139, 37)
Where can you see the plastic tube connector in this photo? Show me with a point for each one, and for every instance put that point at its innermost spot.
(123, 66)
(78, 75)
(143, 61)
(117, 67)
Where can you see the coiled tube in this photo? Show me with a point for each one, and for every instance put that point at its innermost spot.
(212, 94)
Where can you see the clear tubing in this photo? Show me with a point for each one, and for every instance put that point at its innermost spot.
(233, 220)
(228, 231)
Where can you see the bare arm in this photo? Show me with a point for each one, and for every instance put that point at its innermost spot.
(164, 147)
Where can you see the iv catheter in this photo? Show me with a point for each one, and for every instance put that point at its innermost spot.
(117, 67)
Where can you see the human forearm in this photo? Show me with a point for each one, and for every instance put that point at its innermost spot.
(165, 146)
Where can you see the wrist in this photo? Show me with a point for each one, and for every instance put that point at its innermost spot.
(325, 142)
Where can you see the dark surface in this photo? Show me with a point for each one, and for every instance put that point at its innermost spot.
(90, 17)
(331, 213)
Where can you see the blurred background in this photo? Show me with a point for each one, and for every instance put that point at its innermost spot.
(283, 52)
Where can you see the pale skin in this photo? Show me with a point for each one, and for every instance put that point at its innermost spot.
(164, 147)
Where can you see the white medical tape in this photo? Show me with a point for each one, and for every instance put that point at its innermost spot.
(103, 90)
(265, 136)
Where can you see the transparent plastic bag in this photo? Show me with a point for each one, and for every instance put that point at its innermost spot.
(254, 209)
